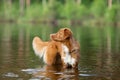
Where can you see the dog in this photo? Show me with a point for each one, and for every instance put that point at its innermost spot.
(61, 49)
(72, 50)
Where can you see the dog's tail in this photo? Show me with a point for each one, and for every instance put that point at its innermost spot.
(38, 49)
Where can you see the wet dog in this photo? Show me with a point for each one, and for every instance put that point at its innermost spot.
(61, 49)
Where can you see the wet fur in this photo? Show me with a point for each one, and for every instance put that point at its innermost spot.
(61, 49)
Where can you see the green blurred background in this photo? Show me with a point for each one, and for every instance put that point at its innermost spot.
(82, 12)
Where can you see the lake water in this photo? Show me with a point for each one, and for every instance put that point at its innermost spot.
(100, 53)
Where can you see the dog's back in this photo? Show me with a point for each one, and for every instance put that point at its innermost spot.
(48, 50)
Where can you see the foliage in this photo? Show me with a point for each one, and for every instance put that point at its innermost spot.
(112, 13)
(9, 12)
(98, 8)
(88, 11)
(72, 11)
(35, 11)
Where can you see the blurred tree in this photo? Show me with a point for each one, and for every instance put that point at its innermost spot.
(51, 2)
(22, 5)
(112, 14)
(78, 2)
(44, 3)
(7, 4)
(109, 3)
(10, 3)
(98, 8)
(88, 3)
(27, 3)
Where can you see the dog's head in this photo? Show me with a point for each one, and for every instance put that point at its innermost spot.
(61, 35)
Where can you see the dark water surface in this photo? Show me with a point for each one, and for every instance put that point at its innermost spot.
(100, 54)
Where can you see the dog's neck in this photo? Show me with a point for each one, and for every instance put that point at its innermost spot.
(69, 43)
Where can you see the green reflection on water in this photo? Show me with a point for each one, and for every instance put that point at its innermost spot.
(99, 48)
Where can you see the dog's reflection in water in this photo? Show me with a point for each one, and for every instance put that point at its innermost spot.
(55, 72)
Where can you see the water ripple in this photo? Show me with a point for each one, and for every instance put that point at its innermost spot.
(85, 75)
(11, 74)
(31, 71)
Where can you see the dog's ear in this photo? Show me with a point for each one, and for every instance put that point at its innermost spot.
(67, 33)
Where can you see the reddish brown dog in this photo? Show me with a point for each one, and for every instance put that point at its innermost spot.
(62, 49)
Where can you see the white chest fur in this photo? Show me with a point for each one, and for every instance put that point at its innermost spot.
(68, 59)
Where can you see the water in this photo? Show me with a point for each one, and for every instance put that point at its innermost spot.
(100, 53)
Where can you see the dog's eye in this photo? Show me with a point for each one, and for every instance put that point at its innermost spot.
(74, 51)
